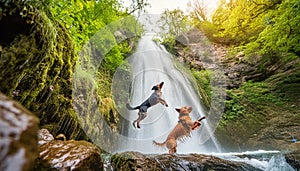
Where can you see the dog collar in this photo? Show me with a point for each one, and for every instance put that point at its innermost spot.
(184, 124)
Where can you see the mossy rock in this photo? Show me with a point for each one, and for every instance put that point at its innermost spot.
(37, 61)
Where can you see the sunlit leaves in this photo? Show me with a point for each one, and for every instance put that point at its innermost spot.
(262, 27)
(241, 21)
(83, 18)
(173, 22)
(283, 34)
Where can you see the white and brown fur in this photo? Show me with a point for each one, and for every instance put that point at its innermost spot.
(182, 130)
(155, 98)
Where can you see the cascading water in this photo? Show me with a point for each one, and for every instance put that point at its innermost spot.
(133, 80)
(150, 65)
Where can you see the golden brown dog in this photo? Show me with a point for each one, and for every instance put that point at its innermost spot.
(151, 101)
(182, 130)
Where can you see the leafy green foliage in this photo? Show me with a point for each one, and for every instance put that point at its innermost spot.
(203, 79)
(169, 42)
(41, 67)
(265, 27)
(209, 29)
(240, 21)
(263, 34)
(43, 5)
(102, 34)
(172, 24)
(115, 57)
(282, 32)
(84, 18)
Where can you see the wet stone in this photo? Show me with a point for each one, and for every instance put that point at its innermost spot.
(44, 136)
(18, 136)
(293, 158)
(68, 155)
(200, 162)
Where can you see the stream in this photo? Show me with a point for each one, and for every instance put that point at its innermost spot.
(265, 160)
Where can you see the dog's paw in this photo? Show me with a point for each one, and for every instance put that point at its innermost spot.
(196, 125)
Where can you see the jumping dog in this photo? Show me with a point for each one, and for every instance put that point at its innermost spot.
(182, 129)
(151, 101)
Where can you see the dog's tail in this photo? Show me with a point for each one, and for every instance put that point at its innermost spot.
(159, 144)
(131, 108)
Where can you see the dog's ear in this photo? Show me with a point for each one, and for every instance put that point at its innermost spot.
(160, 85)
(178, 110)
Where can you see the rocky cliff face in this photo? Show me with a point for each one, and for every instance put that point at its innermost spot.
(268, 112)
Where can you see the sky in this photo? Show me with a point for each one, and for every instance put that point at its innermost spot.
(158, 6)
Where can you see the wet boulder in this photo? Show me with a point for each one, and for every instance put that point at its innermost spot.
(67, 155)
(134, 161)
(18, 136)
(44, 136)
(201, 162)
(293, 158)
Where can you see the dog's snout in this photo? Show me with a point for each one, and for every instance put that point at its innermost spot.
(154, 88)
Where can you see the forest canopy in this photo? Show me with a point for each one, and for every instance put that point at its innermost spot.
(257, 27)
(264, 27)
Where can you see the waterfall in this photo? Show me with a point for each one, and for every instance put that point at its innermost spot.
(132, 82)
(149, 65)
